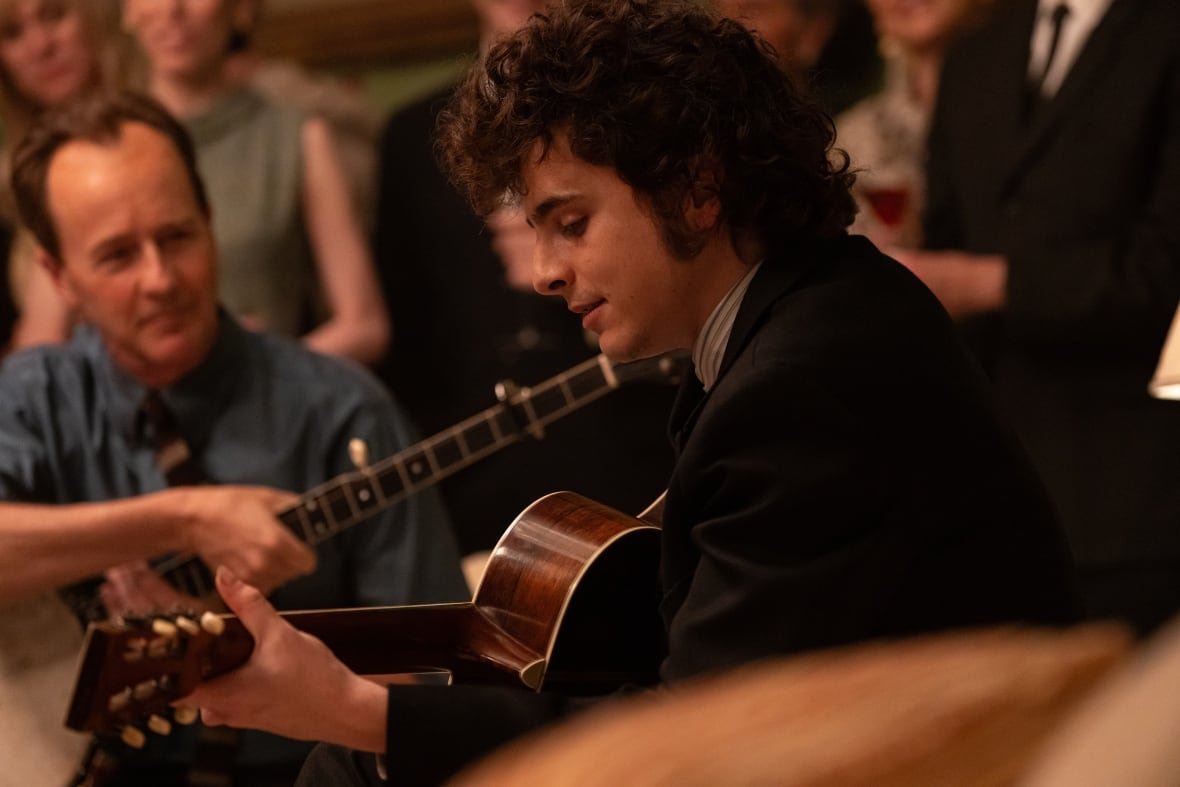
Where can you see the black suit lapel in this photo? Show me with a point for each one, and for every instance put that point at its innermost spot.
(776, 276)
(1099, 51)
(687, 404)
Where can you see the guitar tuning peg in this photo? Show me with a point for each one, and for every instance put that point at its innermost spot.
(159, 725)
(119, 700)
(185, 714)
(358, 453)
(135, 649)
(133, 737)
(144, 690)
(507, 391)
(164, 628)
(212, 623)
(187, 625)
(160, 647)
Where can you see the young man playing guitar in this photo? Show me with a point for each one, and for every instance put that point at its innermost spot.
(841, 473)
(110, 189)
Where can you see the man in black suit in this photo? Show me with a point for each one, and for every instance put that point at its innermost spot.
(462, 327)
(1054, 197)
(841, 473)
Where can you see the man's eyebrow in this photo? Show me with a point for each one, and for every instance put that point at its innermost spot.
(547, 207)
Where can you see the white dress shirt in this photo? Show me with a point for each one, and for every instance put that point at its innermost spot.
(710, 346)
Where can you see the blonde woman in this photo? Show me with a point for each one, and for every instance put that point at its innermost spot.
(50, 51)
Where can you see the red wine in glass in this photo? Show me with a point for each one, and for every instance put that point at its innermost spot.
(889, 204)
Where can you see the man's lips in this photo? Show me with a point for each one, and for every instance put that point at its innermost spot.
(585, 307)
(588, 310)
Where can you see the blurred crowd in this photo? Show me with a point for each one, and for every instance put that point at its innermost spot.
(1022, 161)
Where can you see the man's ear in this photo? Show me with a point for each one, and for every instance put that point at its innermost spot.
(702, 210)
(56, 270)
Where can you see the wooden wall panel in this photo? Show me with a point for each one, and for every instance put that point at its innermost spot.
(368, 32)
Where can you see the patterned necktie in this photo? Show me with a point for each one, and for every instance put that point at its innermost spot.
(216, 747)
(173, 456)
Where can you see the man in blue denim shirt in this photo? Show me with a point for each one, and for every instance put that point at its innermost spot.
(110, 191)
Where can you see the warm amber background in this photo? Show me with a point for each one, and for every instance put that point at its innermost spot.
(359, 33)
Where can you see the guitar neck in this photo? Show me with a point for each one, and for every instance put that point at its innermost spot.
(455, 638)
(353, 497)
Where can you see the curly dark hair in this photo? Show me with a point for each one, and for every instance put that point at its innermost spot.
(658, 90)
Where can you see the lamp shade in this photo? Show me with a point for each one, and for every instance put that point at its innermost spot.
(1165, 383)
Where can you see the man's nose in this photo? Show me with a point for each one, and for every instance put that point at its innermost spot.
(159, 272)
(550, 276)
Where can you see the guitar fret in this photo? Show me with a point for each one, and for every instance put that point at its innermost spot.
(317, 517)
(447, 452)
(586, 383)
(461, 441)
(505, 423)
(480, 436)
(527, 404)
(390, 481)
(300, 519)
(496, 427)
(329, 521)
(431, 459)
(545, 403)
(414, 468)
(340, 506)
(365, 495)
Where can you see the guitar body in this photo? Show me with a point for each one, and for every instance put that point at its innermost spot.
(39, 644)
(568, 603)
(576, 582)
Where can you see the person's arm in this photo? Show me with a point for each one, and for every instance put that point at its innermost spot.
(294, 686)
(358, 325)
(44, 546)
(966, 284)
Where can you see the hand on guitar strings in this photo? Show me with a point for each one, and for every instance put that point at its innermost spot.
(292, 685)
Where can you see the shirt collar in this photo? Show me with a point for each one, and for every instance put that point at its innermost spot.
(1084, 16)
(194, 400)
(709, 348)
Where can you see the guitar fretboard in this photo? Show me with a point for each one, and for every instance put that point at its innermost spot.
(353, 497)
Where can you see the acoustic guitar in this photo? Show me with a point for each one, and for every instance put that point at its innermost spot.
(568, 603)
(40, 639)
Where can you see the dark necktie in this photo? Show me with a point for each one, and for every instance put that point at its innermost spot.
(173, 456)
(1058, 21)
(216, 747)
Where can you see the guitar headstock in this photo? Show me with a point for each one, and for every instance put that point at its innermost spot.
(130, 672)
(669, 368)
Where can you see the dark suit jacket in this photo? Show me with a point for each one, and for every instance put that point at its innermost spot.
(845, 479)
(1083, 198)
